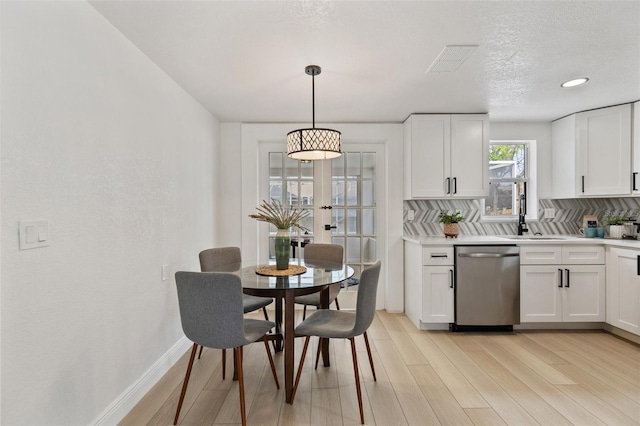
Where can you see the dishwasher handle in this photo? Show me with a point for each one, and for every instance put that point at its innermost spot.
(489, 255)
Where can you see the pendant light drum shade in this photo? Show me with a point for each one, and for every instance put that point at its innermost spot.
(313, 143)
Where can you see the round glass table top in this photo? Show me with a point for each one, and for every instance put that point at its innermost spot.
(318, 273)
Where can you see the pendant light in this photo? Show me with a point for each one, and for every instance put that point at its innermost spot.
(314, 143)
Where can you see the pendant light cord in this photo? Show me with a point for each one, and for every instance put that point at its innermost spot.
(313, 99)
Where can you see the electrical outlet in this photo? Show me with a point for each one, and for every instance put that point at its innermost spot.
(165, 272)
(411, 214)
(549, 213)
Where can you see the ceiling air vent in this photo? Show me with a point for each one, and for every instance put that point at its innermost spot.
(450, 58)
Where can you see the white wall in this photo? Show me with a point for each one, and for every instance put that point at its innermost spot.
(241, 143)
(120, 161)
(538, 131)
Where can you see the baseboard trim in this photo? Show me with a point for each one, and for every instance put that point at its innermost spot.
(119, 408)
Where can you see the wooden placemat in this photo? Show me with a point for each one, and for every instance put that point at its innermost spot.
(271, 271)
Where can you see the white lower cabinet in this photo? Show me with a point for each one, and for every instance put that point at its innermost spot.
(623, 289)
(429, 287)
(562, 284)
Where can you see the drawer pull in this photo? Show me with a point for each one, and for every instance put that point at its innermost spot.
(439, 255)
(560, 276)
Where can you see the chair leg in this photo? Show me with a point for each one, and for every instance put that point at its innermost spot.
(304, 353)
(186, 382)
(264, 311)
(357, 376)
(318, 352)
(273, 367)
(304, 313)
(337, 304)
(224, 362)
(373, 370)
(238, 353)
(200, 354)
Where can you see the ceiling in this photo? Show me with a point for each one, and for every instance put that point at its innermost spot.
(244, 60)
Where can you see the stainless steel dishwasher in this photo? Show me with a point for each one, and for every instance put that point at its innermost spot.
(487, 290)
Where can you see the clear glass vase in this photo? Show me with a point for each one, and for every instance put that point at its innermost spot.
(283, 244)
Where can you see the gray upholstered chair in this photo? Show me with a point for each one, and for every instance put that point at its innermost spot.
(321, 252)
(212, 315)
(216, 257)
(328, 324)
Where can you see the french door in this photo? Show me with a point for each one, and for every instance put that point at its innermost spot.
(343, 197)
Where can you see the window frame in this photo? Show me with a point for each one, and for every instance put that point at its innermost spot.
(530, 180)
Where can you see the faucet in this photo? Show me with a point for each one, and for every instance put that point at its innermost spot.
(522, 225)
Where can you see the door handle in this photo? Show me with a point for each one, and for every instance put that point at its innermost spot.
(568, 274)
(326, 207)
(638, 265)
(583, 184)
(455, 185)
(448, 185)
(451, 277)
(634, 181)
(329, 227)
(560, 276)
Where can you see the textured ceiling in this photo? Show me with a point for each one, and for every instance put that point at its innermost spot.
(244, 60)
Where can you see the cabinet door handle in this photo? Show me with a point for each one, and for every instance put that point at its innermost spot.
(638, 265)
(560, 276)
(448, 185)
(455, 185)
(451, 277)
(634, 181)
(568, 274)
(583, 184)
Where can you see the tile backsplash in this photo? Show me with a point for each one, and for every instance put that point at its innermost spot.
(567, 220)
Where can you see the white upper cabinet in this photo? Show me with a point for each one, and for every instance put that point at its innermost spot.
(591, 153)
(635, 171)
(446, 156)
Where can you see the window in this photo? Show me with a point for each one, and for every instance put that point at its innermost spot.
(510, 178)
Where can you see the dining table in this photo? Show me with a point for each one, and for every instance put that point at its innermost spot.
(306, 276)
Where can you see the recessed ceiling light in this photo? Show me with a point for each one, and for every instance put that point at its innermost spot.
(575, 82)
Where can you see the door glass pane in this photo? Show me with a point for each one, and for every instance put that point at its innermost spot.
(306, 170)
(368, 165)
(353, 164)
(337, 219)
(353, 221)
(337, 167)
(369, 249)
(275, 165)
(275, 190)
(368, 194)
(368, 221)
(352, 193)
(337, 193)
(306, 193)
(353, 249)
(291, 198)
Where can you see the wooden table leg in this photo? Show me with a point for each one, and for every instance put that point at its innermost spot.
(324, 304)
(289, 341)
(278, 321)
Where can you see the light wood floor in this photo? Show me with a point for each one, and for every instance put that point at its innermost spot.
(424, 378)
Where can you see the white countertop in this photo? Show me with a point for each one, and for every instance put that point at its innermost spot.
(504, 239)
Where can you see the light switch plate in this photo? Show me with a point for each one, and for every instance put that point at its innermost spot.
(34, 234)
(165, 272)
(549, 213)
(411, 214)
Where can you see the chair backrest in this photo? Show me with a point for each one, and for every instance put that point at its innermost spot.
(366, 302)
(329, 252)
(211, 308)
(333, 253)
(214, 257)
